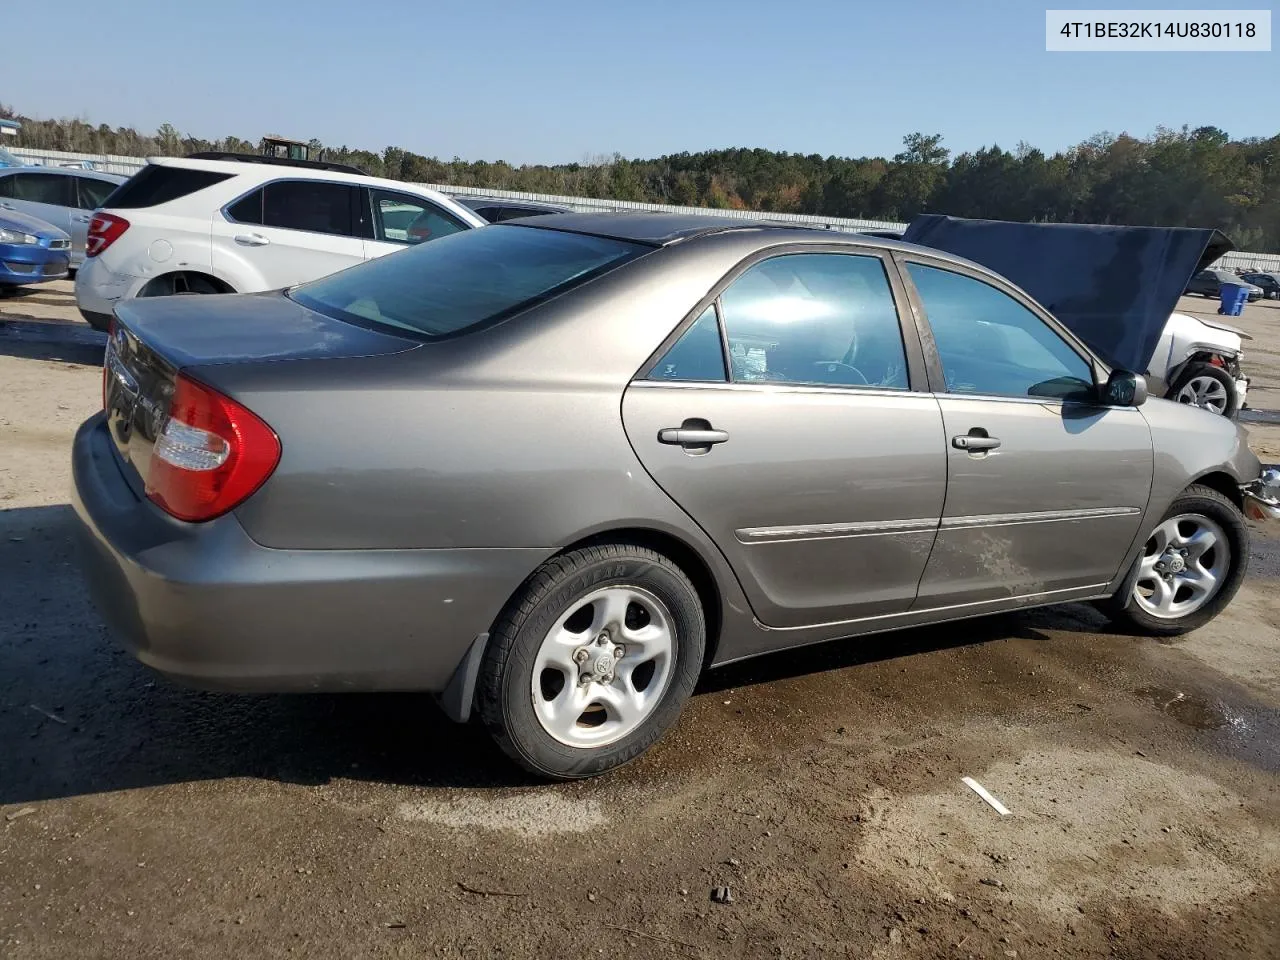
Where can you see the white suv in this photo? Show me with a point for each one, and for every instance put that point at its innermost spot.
(223, 223)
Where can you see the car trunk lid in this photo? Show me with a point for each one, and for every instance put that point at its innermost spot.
(152, 340)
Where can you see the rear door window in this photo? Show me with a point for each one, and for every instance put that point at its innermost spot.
(51, 188)
(315, 206)
(155, 184)
(698, 356)
(815, 318)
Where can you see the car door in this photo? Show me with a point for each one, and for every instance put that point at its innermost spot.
(400, 220)
(789, 417)
(288, 231)
(91, 193)
(1045, 486)
(48, 196)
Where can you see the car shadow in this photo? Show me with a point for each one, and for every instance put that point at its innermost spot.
(78, 715)
(51, 340)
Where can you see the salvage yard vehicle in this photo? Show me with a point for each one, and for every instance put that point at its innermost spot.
(1192, 360)
(1208, 283)
(31, 251)
(552, 469)
(58, 196)
(241, 223)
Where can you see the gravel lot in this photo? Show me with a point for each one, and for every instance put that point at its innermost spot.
(823, 787)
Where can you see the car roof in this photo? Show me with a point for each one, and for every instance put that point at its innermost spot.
(660, 229)
(67, 171)
(274, 171)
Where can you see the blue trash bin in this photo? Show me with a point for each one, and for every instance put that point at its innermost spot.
(1233, 297)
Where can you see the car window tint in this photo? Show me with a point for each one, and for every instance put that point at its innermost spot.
(93, 193)
(248, 209)
(52, 188)
(991, 344)
(6, 186)
(818, 318)
(158, 183)
(311, 205)
(471, 277)
(698, 355)
(402, 218)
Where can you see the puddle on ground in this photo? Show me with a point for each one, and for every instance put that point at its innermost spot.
(1195, 711)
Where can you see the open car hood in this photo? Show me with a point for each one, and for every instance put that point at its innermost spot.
(1113, 287)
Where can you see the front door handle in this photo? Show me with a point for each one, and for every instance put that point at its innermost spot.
(691, 437)
(80, 219)
(251, 240)
(975, 442)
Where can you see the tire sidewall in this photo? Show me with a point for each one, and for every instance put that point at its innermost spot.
(1216, 508)
(524, 731)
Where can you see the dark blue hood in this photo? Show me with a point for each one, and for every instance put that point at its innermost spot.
(1113, 287)
(13, 220)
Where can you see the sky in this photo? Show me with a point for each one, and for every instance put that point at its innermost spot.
(565, 80)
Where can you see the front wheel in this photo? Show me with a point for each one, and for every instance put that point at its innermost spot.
(1189, 569)
(592, 660)
(1208, 387)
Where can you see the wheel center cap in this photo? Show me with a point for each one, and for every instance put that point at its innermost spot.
(597, 660)
(1172, 563)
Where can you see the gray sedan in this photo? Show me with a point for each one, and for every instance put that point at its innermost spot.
(64, 198)
(554, 469)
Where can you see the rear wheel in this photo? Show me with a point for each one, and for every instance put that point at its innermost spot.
(1208, 387)
(1189, 569)
(592, 661)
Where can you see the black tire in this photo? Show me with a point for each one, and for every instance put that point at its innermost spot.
(503, 698)
(1194, 370)
(1207, 502)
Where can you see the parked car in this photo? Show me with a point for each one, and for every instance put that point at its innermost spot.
(31, 251)
(497, 209)
(63, 198)
(7, 159)
(275, 222)
(1268, 283)
(1208, 283)
(552, 469)
(1198, 362)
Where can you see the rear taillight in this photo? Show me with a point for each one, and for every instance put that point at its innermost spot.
(104, 230)
(211, 454)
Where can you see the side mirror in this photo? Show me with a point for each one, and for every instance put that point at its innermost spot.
(1125, 389)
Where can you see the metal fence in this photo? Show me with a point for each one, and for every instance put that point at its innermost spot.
(1238, 260)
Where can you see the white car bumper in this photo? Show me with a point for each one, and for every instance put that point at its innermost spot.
(98, 290)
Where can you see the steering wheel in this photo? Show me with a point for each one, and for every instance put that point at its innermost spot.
(830, 364)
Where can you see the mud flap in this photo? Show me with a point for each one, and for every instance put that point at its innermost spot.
(456, 698)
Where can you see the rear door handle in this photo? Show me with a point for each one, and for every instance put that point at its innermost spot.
(251, 240)
(689, 437)
(974, 443)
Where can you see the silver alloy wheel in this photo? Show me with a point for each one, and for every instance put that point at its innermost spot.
(604, 667)
(1183, 566)
(1204, 392)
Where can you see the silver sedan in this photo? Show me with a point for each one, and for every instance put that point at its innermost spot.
(552, 470)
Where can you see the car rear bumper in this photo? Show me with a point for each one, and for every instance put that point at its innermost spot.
(22, 263)
(98, 290)
(207, 605)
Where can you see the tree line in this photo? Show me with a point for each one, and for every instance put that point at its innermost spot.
(1189, 177)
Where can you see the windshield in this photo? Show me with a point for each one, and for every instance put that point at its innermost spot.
(467, 278)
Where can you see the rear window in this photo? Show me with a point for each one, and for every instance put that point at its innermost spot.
(154, 184)
(465, 279)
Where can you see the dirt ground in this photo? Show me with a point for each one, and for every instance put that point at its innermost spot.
(822, 787)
